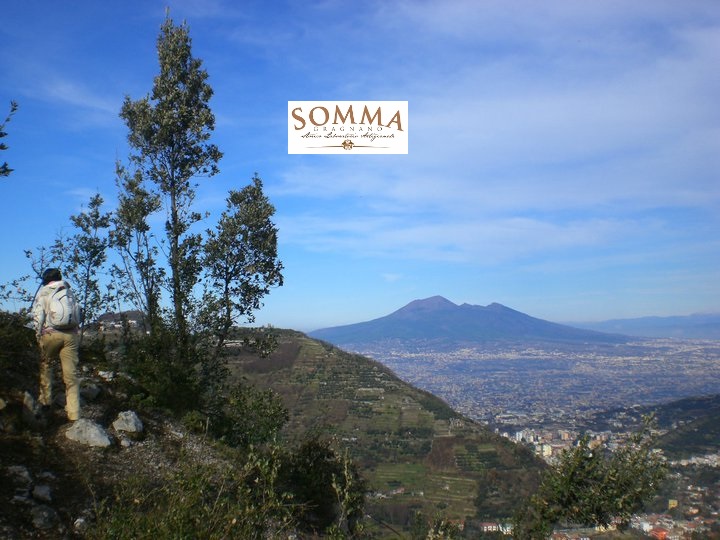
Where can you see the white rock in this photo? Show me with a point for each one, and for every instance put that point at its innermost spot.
(90, 392)
(20, 473)
(81, 525)
(46, 475)
(88, 432)
(128, 421)
(29, 408)
(106, 375)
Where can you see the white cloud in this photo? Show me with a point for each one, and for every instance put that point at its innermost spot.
(392, 277)
(501, 138)
(481, 241)
(78, 95)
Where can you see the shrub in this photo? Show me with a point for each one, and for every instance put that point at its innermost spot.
(16, 339)
(247, 416)
(587, 487)
(160, 379)
(19, 353)
(199, 501)
(326, 486)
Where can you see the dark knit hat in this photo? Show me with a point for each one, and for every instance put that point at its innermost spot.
(51, 274)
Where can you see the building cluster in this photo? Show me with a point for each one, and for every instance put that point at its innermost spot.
(700, 505)
(709, 460)
(547, 443)
(656, 526)
(665, 527)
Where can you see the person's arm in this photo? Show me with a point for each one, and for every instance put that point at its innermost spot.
(38, 311)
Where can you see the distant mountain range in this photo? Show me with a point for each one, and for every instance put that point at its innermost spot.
(682, 327)
(440, 322)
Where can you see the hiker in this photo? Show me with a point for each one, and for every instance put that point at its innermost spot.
(56, 320)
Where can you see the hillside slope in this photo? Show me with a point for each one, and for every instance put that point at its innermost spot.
(414, 451)
(52, 487)
(413, 448)
(692, 424)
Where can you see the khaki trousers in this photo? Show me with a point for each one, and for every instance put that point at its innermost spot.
(62, 345)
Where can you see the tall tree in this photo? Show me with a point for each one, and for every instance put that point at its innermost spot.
(169, 136)
(5, 169)
(169, 132)
(138, 275)
(240, 266)
(240, 261)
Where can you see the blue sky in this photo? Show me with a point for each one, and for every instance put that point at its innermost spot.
(564, 157)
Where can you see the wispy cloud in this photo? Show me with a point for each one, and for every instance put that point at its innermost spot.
(390, 277)
(75, 94)
(479, 241)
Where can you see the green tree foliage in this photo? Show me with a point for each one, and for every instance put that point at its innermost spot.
(169, 134)
(83, 256)
(437, 528)
(349, 488)
(240, 262)
(248, 416)
(5, 169)
(157, 381)
(18, 350)
(16, 293)
(232, 268)
(40, 259)
(588, 487)
(138, 275)
(326, 486)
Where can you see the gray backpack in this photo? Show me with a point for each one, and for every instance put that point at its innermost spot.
(63, 311)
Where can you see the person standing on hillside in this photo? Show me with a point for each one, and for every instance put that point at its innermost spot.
(56, 318)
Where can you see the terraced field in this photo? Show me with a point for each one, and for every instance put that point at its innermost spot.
(415, 452)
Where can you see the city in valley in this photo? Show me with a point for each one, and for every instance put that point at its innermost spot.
(547, 395)
(541, 385)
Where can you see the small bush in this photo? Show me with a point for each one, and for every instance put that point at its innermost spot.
(161, 379)
(590, 488)
(248, 416)
(92, 351)
(16, 338)
(326, 486)
(208, 502)
(19, 353)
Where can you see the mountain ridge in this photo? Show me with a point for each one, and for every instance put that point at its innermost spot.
(441, 321)
(695, 326)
